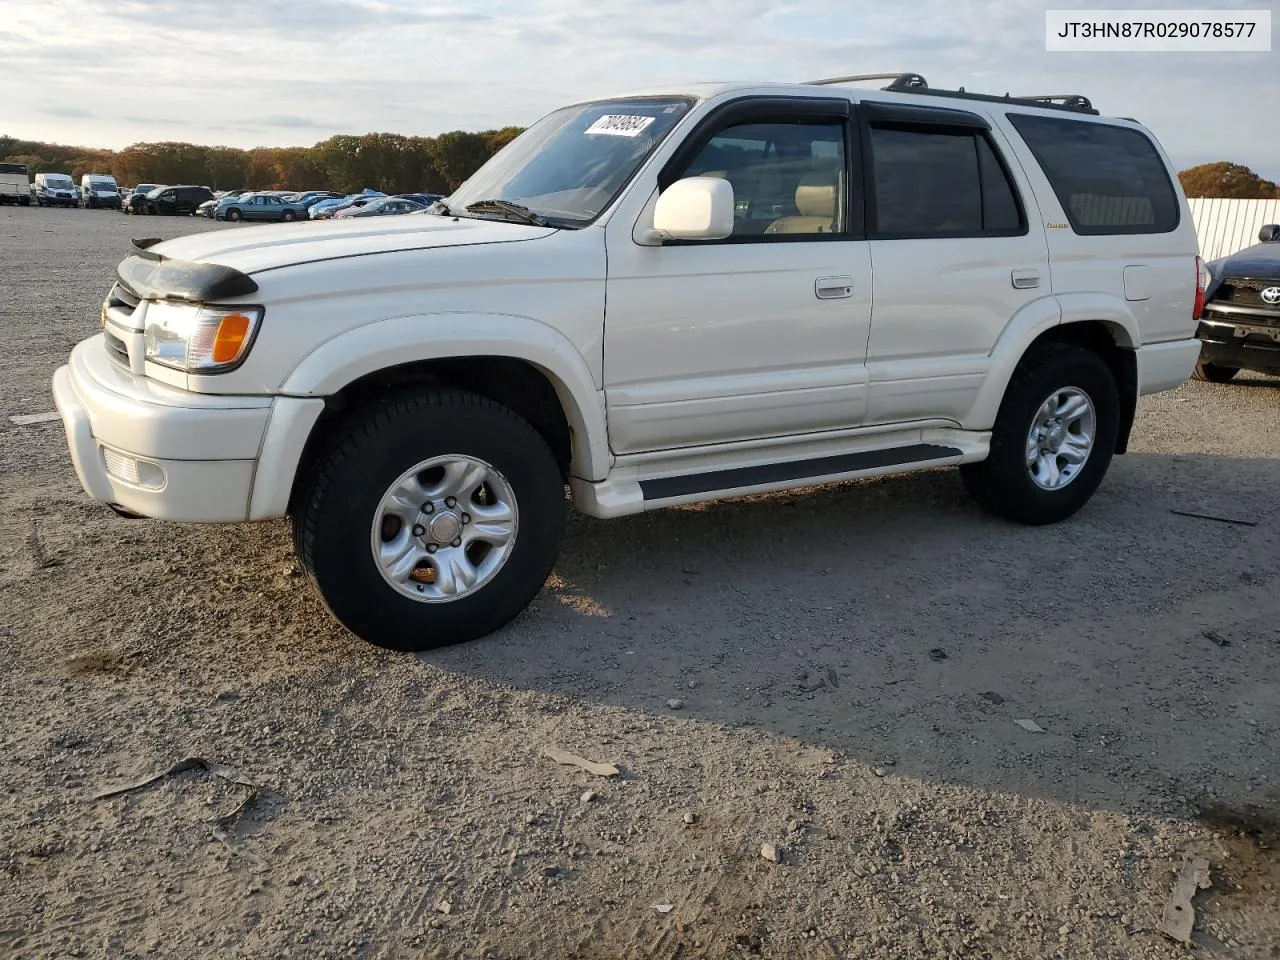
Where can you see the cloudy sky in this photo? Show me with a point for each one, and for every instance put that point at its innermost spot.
(292, 72)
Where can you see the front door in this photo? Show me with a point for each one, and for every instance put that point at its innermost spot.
(763, 334)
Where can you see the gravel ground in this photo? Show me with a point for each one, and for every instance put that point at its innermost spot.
(788, 669)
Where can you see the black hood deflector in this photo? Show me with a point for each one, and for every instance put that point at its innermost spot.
(153, 276)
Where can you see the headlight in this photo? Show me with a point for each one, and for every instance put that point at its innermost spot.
(196, 339)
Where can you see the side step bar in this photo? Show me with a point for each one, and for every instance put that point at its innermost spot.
(650, 481)
(665, 488)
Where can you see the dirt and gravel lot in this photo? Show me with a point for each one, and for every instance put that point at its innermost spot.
(836, 672)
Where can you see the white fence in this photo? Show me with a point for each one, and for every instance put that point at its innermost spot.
(1225, 226)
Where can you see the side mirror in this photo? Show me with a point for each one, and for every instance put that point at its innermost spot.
(695, 208)
(1269, 233)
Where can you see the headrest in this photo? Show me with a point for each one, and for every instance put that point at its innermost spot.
(816, 195)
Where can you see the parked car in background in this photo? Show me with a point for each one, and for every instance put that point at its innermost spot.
(327, 211)
(260, 206)
(309, 197)
(426, 199)
(137, 195)
(99, 190)
(321, 208)
(1240, 327)
(174, 201)
(55, 190)
(15, 184)
(208, 208)
(380, 207)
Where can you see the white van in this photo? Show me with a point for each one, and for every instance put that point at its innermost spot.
(99, 190)
(15, 186)
(54, 190)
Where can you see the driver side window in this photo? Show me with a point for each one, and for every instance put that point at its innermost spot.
(789, 178)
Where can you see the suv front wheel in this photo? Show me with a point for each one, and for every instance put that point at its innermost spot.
(431, 518)
(1053, 437)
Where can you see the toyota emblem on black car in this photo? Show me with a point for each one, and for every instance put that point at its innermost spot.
(1271, 295)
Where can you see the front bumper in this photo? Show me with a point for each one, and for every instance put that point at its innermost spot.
(1247, 346)
(154, 450)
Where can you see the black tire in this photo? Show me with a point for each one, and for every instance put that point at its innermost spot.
(233, 215)
(338, 497)
(1214, 372)
(287, 216)
(1003, 483)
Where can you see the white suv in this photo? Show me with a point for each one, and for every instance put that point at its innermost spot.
(656, 299)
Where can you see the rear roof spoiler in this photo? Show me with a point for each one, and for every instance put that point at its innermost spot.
(153, 276)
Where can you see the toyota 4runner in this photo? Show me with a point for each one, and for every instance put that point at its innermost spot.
(656, 299)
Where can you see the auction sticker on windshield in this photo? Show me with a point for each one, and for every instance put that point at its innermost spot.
(620, 125)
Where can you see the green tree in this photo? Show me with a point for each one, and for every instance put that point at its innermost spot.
(457, 155)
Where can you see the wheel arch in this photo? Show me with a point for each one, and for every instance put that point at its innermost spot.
(516, 361)
(1100, 323)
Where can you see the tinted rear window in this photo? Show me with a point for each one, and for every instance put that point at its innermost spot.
(1109, 180)
(939, 183)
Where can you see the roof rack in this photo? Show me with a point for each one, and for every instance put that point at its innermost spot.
(915, 83)
(899, 81)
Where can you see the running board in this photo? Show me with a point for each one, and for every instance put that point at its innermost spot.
(650, 481)
(664, 488)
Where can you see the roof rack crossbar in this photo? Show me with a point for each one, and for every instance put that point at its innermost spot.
(1073, 100)
(897, 81)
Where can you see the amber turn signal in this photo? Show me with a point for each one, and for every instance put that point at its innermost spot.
(233, 330)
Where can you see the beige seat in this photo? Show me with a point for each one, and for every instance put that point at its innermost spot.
(816, 201)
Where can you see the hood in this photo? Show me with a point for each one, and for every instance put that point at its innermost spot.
(253, 249)
(1260, 262)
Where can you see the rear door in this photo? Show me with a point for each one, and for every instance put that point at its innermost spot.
(1116, 225)
(955, 255)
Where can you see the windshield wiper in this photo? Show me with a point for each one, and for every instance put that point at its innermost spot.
(507, 206)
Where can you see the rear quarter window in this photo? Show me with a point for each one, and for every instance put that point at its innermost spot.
(1109, 180)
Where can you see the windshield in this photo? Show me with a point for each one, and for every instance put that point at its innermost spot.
(570, 165)
(101, 185)
(58, 181)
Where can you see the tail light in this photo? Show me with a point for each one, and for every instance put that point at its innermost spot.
(1202, 285)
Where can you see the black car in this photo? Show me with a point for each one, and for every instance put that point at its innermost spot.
(1240, 326)
(132, 202)
(174, 201)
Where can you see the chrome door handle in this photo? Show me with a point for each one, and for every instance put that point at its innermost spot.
(1025, 279)
(833, 288)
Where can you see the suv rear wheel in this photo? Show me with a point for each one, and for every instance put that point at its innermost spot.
(431, 518)
(1053, 437)
(1214, 372)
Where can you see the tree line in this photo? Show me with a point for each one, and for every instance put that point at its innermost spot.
(347, 163)
(393, 163)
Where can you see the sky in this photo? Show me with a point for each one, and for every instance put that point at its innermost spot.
(245, 73)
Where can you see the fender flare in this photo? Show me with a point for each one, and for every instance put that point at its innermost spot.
(395, 341)
(1033, 321)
